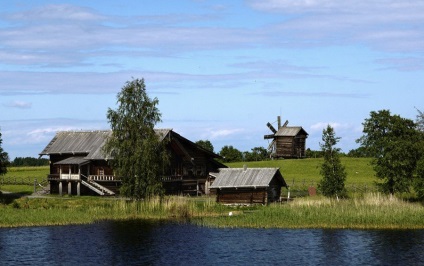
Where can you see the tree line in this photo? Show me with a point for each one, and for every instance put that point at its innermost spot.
(231, 154)
(396, 146)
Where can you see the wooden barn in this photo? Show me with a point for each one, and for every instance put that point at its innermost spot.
(79, 167)
(287, 142)
(248, 185)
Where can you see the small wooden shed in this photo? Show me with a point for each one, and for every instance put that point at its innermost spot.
(248, 185)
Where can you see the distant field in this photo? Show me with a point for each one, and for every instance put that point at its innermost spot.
(297, 172)
(24, 178)
(359, 170)
(38, 172)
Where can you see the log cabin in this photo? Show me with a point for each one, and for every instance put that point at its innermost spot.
(78, 165)
(248, 185)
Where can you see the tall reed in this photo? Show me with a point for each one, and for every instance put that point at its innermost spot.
(372, 211)
(78, 210)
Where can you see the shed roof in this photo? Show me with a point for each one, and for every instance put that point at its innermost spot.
(290, 131)
(246, 177)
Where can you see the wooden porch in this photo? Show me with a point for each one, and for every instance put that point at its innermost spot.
(82, 177)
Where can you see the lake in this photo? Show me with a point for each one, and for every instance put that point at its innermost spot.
(162, 243)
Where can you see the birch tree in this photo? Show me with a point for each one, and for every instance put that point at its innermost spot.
(139, 156)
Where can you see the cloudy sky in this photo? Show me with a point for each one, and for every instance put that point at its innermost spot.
(220, 69)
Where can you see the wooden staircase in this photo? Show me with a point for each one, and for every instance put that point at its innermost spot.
(96, 187)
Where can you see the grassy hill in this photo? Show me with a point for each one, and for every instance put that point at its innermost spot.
(359, 170)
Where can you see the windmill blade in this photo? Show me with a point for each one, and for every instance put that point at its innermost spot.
(271, 146)
(271, 136)
(271, 127)
(286, 123)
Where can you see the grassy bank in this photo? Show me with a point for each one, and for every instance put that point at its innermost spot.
(361, 211)
(371, 211)
(27, 211)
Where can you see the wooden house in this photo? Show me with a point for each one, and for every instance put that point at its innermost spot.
(79, 167)
(248, 185)
(287, 142)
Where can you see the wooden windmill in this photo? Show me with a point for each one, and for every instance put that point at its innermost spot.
(287, 142)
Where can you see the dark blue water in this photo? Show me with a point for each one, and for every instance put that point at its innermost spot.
(146, 243)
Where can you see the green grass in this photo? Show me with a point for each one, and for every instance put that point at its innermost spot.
(27, 174)
(82, 210)
(38, 172)
(19, 189)
(359, 170)
(360, 211)
(372, 211)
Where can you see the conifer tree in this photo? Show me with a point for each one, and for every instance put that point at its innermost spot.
(333, 172)
(4, 159)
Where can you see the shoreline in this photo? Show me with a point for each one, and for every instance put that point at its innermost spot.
(373, 212)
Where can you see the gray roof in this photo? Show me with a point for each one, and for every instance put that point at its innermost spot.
(245, 177)
(84, 143)
(289, 131)
(73, 160)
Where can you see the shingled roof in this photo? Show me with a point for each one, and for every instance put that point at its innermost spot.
(290, 131)
(88, 143)
(245, 177)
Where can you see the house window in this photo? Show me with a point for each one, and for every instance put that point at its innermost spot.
(101, 171)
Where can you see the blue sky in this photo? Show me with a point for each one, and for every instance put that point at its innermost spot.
(220, 69)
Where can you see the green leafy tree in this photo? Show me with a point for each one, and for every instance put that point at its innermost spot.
(139, 156)
(205, 144)
(419, 182)
(231, 154)
(29, 161)
(333, 172)
(4, 159)
(392, 141)
(256, 154)
(313, 154)
(420, 120)
(358, 153)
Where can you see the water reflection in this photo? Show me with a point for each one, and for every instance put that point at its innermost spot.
(148, 243)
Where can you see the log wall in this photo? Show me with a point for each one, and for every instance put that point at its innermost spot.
(242, 196)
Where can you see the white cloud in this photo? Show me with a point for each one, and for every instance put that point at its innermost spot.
(71, 34)
(19, 104)
(215, 134)
(335, 125)
(380, 24)
(57, 12)
(29, 137)
(402, 63)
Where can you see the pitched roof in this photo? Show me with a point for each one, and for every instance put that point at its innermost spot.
(289, 131)
(245, 177)
(76, 142)
(88, 143)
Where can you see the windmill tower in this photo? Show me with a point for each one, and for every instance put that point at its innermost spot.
(287, 142)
